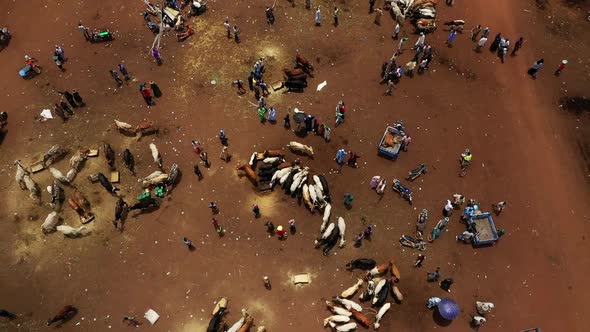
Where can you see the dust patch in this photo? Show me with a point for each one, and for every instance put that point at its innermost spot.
(261, 312)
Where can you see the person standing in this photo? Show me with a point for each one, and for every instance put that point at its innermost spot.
(423, 66)
(446, 284)
(486, 32)
(217, 227)
(498, 208)
(410, 68)
(517, 46)
(447, 208)
(451, 38)
(270, 15)
(390, 88)
(156, 55)
(84, 31)
(378, 14)
(336, 14)
(146, 93)
(251, 81)
(503, 48)
(281, 233)
(124, 71)
(340, 154)
(307, 4)
(496, 42)
(318, 16)
(77, 98)
(198, 173)
(352, 159)
(270, 227)
(256, 211)
(480, 44)
(214, 208)
(227, 28)
(561, 67)
(396, 30)
(371, 5)
(287, 121)
(204, 159)
(419, 260)
(225, 155)
(292, 226)
(60, 53)
(58, 62)
(188, 243)
(69, 97)
(400, 45)
(116, 77)
(348, 198)
(474, 32)
(534, 70)
(236, 34)
(327, 133)
(420, 41)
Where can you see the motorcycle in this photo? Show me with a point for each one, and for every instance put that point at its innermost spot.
(411, 242)
(101, 36)
(405, 193)
(416, 172)
(421, 224)
(440, 225)
(150, 24)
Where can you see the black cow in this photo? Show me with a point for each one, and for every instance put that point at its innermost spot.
(144, 204)
(361, 264)
(129, 160)
(106, 183)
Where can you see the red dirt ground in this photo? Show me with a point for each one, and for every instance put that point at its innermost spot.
(527, 152)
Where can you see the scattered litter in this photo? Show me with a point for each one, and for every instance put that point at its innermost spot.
(151, 316)
(321, 85)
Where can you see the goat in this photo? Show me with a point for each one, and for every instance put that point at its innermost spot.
(156, 155)
(57, 196)
(106, 184)
(380, 314)
(20, 174)
(352, 289)
(124, 126)
(50, 222)
(301, 148)
(65, 314)
(109, 155)
(70, 231)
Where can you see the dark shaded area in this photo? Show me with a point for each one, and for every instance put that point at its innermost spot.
(542, 4)
(576, 104)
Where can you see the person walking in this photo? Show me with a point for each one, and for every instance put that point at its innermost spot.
(84, 31)
(486, 32)
(400, 45)
(292, 226)
(336, 14)
(124, 71)
(77, 98)
(281, 233)
(270, 227)
(447, 208)
(116, 77)
(451, 38)
(58, 62)
(378, 14)
(423, 66)
(474, 32)
(197, 171)
(214, 208)
(227, 27)
(390, 88)
(60, 53)
(480, 44)
(503, 48)
(496, 43)
(287, 121)
(318, 16)
(371, 6)
(534, 70)
(270, 15)
(410, 66)
(560, 68)
(69, 97)
(218, 229)
(156, 55)
(204, 159)
(433, 276)
(188, 243)
(396, 30)
(256, 211)
(517, 46)
(420, 41)
(499, 207)
(236, 34)
(225, 155)
(340, 154)
(419, 260)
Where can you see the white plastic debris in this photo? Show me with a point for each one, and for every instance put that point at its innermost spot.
(151, 316)
(46, 114)
(321, 85)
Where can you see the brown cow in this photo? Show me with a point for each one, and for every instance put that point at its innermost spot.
(361, 318)
(249, 172)
(293, 72)
(273, 153)
(300, 59)
(247, 324)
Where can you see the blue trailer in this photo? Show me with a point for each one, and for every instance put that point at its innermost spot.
(483, 225)
(391, 142)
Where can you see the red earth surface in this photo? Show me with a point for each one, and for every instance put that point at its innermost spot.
(527, 151)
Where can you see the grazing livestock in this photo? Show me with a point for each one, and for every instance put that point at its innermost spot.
(121, 209)
(240, 322)
(342, 229)
(152, 176)
(325, 235)
(381, 293)
(361, 318)
(78, 159)
(273, 153)
(247, 324)
(33, 187)
(379, 269)
(72, 232)
(380, 314)
(296, 86)
(343, 328)
(326, 216)
(144, 204)
(71, 175)
(106, 184)
(145, 128)
(266, 167)
(153, 180)
(301, 148)
(173, 175)
(58, 175)
(52, 155)
(293, 72)
(272, 160)
(57, 196)
(325, 188)
(306, 196)
(337, 310)
(124, 127)
(361, 264)
(336, 319)
(348, 304)
(352, 289)
(64, 315)
(20, 174)
(331, 241)
(156, 155)
(109, 155)
(129, 161)
(249, 172)
(50, 222)
(312, 194)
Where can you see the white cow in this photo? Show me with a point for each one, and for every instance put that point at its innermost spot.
(20, 174)
(337, 310)
(302, 148)
(348, 304)
(344, 328)
(342, 228)
(156, 155)
(336, 319)
(50, 222)
(377, 290)
(352, 289)
(326, 217)
(70, 231)
(33, 187)
(380, 314)
(58, 175)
